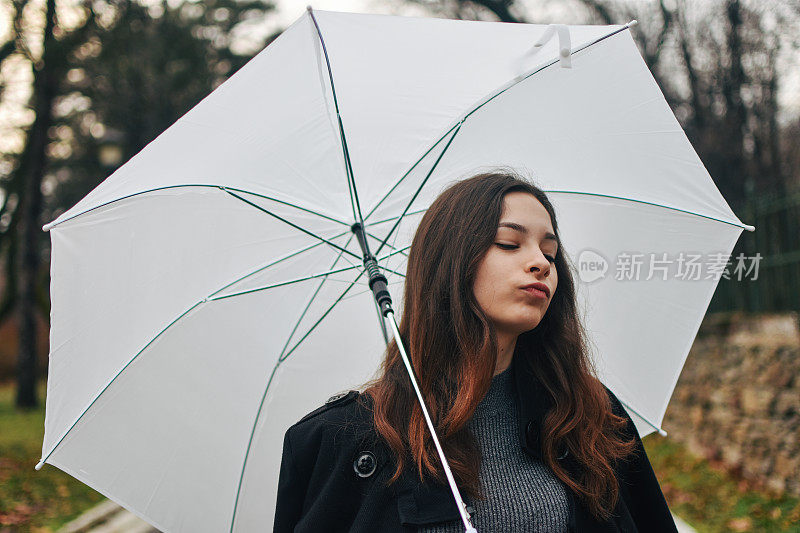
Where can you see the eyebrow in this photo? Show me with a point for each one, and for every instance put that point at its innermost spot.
(522, 229)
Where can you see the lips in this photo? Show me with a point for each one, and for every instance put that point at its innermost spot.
(538, 286)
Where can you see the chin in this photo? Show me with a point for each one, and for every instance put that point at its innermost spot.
(533, 328)
(528, 325)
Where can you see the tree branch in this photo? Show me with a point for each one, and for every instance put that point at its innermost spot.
(499, 7)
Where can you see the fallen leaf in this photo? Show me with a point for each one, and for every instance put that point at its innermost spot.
(740, 524)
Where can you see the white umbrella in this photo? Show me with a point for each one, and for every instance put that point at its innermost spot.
(210, 292)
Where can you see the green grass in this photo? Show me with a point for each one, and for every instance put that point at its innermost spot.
(713, 500)
(30, 500)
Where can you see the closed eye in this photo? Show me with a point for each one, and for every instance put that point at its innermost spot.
(504, 246)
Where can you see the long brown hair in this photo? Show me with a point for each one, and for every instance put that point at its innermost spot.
(453, 347)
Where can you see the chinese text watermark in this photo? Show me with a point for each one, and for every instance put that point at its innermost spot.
(686, 266)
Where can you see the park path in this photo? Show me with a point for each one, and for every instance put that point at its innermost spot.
(108, 517)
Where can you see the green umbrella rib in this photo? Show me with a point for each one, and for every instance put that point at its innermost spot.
(209, 298)
(48, 227)
(497, 92)
(351, 182)
(742, 226)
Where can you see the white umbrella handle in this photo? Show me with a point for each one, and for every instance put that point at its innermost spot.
(453, 487)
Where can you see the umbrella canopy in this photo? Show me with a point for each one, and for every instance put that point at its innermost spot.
(210, 292)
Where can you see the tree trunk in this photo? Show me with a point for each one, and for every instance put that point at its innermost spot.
(32, 169)
(735, 122)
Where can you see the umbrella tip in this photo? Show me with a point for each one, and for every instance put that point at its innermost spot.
(632, 23)
(309, 8)
(662, 432)
(749, 228)
(39, 465)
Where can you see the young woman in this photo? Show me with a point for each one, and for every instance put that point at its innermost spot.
(535, 442)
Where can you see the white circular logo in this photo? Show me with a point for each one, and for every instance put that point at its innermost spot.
(591, 266)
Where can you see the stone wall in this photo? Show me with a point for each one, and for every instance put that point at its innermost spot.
(738, 398)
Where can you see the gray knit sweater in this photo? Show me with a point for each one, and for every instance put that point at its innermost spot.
(522, 494)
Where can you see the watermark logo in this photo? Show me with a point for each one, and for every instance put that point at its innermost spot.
(636, 266)
(591, 266)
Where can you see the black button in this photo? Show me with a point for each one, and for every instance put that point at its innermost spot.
(365, 464)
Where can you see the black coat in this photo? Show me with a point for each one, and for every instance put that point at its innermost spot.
(334, 469)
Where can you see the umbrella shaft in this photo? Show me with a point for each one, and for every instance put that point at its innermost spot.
(450, 479)
(377, 281)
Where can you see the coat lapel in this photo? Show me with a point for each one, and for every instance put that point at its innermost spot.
(533, 403)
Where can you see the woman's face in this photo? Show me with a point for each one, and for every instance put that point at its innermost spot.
(523, 253)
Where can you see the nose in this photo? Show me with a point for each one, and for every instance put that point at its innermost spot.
(538, 263)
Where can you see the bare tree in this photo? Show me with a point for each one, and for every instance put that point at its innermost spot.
(29, 175)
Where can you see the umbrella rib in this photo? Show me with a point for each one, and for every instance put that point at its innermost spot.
(99, 394)
(419, 189)
(269, 383)
(272, 263)
(283, 283)
(172, 323)
(397, 251)
(310, 301)
(312, 234)
(742, 226)
(49, 226)
(497, 92)
(297, 280)
(418, 211)
(275, 368)
(204, 300)
(351, 182)
(521, 78)
(213, 296)
(404, 176)
(320, 319)
(551, 191)
(210, 298)
(264, 394)
(392, 246)
(391, 284)
(284, 202)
